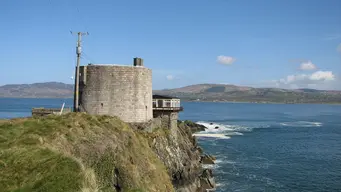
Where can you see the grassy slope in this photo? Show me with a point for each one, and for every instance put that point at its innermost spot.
(77, 152)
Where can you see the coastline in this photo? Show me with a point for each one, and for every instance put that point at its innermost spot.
(197, 101)
(251, 102)
(207, 178)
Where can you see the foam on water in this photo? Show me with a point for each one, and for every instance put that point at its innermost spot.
(210, 166)
(220, 136)
(222, 131)
(233, 133)
(218, 161)
(215, 127)
(301, 124)
(215, 130)
(228, 130)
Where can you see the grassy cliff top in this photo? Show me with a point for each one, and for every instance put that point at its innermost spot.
(77, 152)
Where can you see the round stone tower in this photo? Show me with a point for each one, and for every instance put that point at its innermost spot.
(116, 90)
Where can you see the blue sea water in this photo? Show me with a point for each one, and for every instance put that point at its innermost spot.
(15, 107)
(269, 147)
(272, 147)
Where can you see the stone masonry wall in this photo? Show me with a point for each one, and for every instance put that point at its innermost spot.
(166, 120)
(123, 91)
(173, 118)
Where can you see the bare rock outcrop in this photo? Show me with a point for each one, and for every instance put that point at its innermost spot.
(181, 155)
(207, 159)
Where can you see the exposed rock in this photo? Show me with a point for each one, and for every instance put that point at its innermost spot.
(200, 150)
(207, 181)
(195, 127)
(180, 155)
(207, 159)
(216, 127)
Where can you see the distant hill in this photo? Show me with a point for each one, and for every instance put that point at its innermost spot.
(37, 90)
(199, 92)
(232, 93)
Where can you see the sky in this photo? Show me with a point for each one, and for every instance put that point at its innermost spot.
(259, 43)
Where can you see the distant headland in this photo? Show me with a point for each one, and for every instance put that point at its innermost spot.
(199, 92)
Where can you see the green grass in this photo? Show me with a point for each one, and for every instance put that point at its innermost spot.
(34, 169)
(77, 152)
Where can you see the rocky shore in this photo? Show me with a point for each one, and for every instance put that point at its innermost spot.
(207, 180)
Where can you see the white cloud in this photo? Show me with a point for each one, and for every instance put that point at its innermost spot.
(308, 65)
(322, 75)
(313, 78)
(317, 80)
(169, 77)
(226, 60)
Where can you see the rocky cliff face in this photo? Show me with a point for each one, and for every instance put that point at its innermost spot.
(180, 157)
(180, 153)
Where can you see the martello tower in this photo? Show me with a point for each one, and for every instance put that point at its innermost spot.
(117, 90)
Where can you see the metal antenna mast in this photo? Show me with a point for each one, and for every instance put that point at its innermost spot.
(78, 52)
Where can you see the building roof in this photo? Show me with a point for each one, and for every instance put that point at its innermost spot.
(164, 97)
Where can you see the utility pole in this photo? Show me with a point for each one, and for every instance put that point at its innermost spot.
(78, 52)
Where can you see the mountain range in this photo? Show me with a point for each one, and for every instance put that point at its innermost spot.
(199, 92)
(233, 93)
(37, 90)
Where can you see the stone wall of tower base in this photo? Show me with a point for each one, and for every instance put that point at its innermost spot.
(166, 120)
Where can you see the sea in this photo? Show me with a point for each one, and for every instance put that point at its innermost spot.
(259, 147)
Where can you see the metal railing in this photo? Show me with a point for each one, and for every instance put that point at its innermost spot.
(168, 108)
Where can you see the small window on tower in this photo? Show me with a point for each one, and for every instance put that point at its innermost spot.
(101, 104)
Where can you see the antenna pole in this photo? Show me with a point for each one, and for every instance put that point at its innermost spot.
(78, 52)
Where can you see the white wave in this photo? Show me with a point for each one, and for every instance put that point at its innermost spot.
(214, 127)
(229, 162)
(220, 136)
(218, 161)
(223, 131)
(233, 133)
(210, 166)
(227, 130)
(222, 186)
(302, 124)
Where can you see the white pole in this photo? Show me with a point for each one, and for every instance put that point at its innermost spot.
(61, 110)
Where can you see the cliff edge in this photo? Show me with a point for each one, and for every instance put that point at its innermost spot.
(79, 152)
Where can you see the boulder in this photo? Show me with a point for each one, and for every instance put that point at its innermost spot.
(213, 157)
(194, 126)
(201, 151)
(207, 181)
(207, 159)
